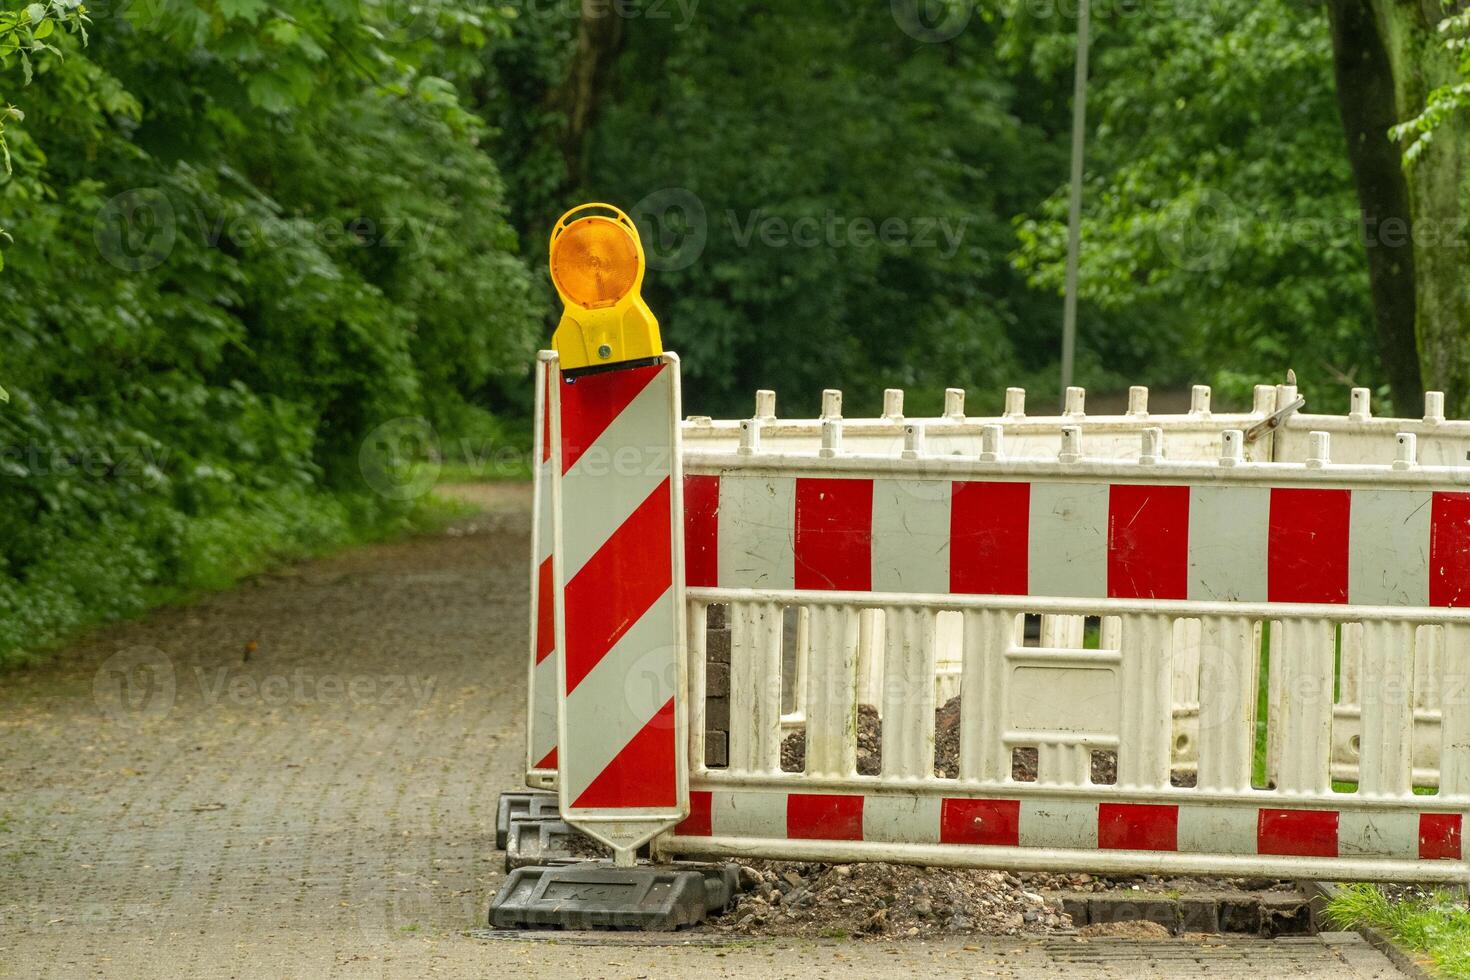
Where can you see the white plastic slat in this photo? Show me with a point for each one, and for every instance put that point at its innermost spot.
(908, 692)
(1228, 669)
(1387, 737)
(695, 622)
(1063, 763)
(1454, 750)
(1304, 662)
(755, 686)
(831, 702)
(1063, 631)
(988, 636)
(1147, 678)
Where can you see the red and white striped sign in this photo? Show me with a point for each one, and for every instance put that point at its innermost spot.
(1213, 541)
(541, 731)
(616, 488)
(1204, 828)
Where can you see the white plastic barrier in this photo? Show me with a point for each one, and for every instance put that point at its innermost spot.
(1068, 704)
(1137, 435)
(1184, 562)
(1191, 435)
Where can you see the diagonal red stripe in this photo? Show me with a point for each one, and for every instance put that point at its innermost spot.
(545, 624)
(590, 403)
(643, 773)
(618, 584)
(549, 762)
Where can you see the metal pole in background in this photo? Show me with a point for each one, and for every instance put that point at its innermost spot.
(1074, 218)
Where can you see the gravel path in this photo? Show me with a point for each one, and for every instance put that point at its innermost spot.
(299, 778)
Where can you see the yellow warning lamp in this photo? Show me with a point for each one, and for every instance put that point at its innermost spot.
(597, 267)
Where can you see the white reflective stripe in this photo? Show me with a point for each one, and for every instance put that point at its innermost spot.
(543, 709)
(1388, 542)
(1217, 830)
(748, 815)
(614, 702)
(1380, 834)
(757, 548)
(911, 535)
(1058, 823)
(1068, 542)
(1229, 530)
(544, 536)
(902, 819)
(606, 484)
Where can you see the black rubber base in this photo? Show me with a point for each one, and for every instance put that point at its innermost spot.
(598, 896)
(525, 805)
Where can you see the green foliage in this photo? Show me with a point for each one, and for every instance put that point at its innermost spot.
(271, 249)
(1219, 207)
(1436, 924)
(765, 154)
(254, 234)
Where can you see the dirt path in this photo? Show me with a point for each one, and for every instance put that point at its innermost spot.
(299, 778)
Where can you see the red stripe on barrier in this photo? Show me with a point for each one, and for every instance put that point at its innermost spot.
(643, 774)
(834, 534)
(1439, 836)
(1137, 827)
(545, 613)
(699, 823)
(1148, 542)
(549, 762)
(988, 525)
(1308, 545)
(617, 585)
(701, 531)
(1298, 833)
(591, 402)
(994, 822)
(1449, 550)
(823, 816)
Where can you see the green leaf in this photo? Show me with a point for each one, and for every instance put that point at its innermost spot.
(250, 10)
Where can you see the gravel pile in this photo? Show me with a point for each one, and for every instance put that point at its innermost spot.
(825, 900)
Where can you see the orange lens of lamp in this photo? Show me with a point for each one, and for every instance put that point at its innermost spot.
(594, 262)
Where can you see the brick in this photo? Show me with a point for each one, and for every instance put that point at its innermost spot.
(1199, 914)
(717, 646)
(717, 680)
(717, 714)
(1075, 905)
(716, 617)
(716, 749)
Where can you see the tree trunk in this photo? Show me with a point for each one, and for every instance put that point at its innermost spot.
(599, 38)
(1366, 101)
(1436, 184)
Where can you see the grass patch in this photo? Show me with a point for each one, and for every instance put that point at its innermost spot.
(1436, 925)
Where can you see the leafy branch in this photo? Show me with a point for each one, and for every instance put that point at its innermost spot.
(24, 35)
(1445, 100)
